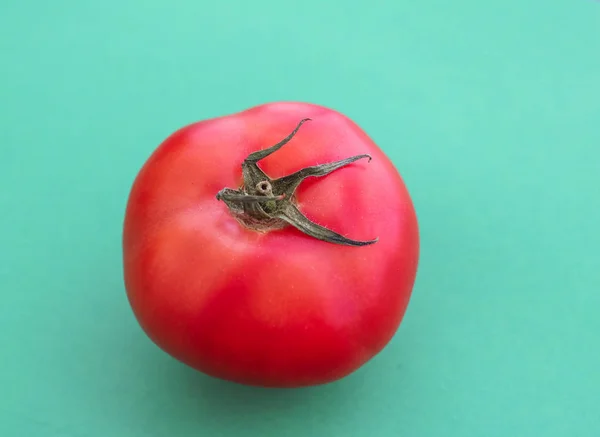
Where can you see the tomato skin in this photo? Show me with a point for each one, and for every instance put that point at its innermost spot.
(277, 309)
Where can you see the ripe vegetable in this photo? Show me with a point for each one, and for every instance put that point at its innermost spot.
(277, 246)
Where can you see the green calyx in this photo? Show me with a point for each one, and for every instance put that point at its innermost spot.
(264, 204)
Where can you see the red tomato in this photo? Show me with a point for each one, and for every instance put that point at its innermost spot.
(260, 279)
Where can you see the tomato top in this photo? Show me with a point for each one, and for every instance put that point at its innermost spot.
(270, 305)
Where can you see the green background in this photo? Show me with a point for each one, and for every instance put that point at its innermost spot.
(491, 112)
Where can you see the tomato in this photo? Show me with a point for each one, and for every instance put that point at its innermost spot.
(276, 247)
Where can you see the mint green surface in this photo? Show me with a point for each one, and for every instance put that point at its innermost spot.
(491, 112)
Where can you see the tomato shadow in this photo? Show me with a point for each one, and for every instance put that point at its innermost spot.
(227, 398)
(161, 396)
(228, 407)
